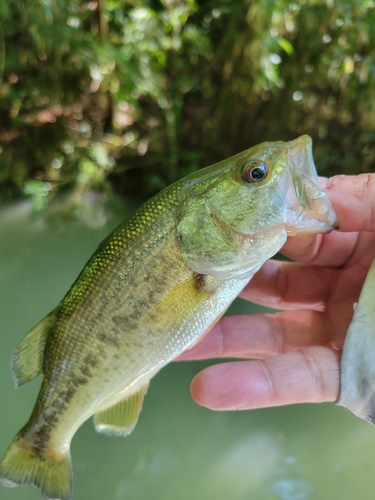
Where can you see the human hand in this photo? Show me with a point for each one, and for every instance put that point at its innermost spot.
(295, 352)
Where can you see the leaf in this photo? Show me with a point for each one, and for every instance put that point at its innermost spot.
(285, 45)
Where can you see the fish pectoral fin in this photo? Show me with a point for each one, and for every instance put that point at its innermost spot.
(121, 418)
(27, 360)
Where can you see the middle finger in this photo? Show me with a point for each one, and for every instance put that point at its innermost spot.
(260, 336)
(291, 285)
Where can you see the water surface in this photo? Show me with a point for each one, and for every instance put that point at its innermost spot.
(178, 450)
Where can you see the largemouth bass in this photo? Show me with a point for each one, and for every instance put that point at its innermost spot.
(154, 286)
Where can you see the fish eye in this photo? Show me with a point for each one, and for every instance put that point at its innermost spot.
(254, 171)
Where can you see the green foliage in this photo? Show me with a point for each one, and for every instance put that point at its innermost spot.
(139, 93)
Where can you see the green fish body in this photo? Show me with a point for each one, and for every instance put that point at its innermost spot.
(155, 285)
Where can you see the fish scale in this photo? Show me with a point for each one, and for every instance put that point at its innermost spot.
(155, 285)
(90, 341)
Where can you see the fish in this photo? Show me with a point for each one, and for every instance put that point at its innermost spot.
(357, 368)
(151, 290)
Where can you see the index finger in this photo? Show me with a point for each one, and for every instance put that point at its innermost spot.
(353, 199)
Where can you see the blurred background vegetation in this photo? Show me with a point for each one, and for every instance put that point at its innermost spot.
(128, 96)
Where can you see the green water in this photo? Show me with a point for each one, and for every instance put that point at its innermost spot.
(178, 451)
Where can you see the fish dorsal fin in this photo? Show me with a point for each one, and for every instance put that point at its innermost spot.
(121, 418)
(27, 360)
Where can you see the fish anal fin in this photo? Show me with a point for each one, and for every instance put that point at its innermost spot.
(121, 418)
(27, 360)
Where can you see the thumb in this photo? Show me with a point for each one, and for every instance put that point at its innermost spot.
(353, 198)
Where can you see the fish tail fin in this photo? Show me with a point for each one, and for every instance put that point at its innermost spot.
(49, 470)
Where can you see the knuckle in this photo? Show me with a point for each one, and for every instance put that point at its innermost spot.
(278, 333)
(366, 186)
(317, 385)
(281, 283)
(366, 182)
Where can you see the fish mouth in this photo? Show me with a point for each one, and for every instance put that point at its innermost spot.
(307, 203)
